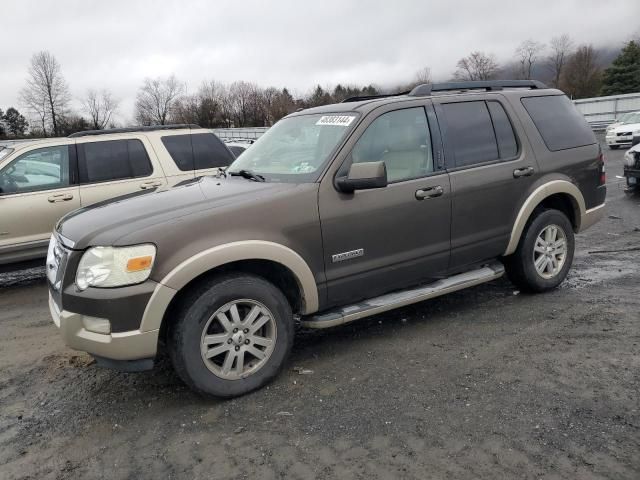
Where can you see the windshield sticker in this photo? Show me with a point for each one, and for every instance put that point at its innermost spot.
(336, 120)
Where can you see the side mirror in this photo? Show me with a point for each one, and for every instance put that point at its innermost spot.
(363, 176)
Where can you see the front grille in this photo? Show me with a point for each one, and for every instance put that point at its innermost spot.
(56, 262)
(637, 158)
(623, 134)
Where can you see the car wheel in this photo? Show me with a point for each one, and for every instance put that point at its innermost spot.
(544, 254)
(614, 147)
(232, 335)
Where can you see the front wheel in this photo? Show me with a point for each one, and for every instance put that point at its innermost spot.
(614, 147)
(232, 336)
(545, 253)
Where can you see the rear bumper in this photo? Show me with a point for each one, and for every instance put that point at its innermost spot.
(130, 345)
(591, 216)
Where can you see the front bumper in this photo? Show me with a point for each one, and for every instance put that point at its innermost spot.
(619, 140)
(130, 345)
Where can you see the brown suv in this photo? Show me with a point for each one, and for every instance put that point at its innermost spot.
(336, 213)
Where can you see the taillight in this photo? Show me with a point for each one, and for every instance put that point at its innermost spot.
(603, 173)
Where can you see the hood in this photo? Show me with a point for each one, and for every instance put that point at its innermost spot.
(104, 223)
(627, 127)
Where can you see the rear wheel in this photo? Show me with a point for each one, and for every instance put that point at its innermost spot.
(232, 336)
(545, 253)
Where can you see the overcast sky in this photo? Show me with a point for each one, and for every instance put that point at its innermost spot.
(116, 44)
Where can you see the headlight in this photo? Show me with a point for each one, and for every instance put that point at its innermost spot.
(115, 266)
(629, 159)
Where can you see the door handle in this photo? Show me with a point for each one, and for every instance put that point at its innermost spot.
(60, 197)
(152, 184)
(429, 192)
(523, 172)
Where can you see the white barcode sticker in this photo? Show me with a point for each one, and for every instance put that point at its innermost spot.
(336, 120)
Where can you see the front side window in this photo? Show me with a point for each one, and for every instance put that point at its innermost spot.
(209, 151)
(41, 169)
(297, 148)
(401, 140)
(180, 150)
(112, 160)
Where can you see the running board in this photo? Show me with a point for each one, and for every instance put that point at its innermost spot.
(389, 301)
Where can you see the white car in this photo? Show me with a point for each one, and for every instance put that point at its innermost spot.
(622, 133)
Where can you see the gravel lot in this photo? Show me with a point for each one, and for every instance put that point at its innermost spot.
(483, 383)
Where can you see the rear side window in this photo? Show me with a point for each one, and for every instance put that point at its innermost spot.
(559, 123)
(197, 151)
(470, 132)
(507, 144)
(112, 160)
(209, 151)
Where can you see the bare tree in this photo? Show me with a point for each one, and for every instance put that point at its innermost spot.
(100, 106)
(476, 66)
(423, 76)
(527, 54)
(46, 93)
(156, 99)
(582, 76)
(561, 48)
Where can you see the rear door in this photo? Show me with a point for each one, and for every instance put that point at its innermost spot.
(491, 169)
(37, 188)
(110, 168)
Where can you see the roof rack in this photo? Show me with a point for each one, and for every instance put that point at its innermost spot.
(427, 89)
(152, 128)
(373, 97)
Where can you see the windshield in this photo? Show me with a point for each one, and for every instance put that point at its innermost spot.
(4, 151)
(630, 118)
(295, 149)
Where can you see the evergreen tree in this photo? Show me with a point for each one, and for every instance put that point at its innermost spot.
(623, 76)
(2, 132)
(16, 123)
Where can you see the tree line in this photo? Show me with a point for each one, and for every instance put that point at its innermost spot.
(581, 71)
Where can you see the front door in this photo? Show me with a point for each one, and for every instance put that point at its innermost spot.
(388, 238)
(36, 189)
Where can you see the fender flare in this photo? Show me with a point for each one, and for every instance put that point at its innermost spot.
(533, 200)
(220, 255)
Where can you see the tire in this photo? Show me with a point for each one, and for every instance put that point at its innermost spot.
(199, 331)
(614, 147)
(521, 268)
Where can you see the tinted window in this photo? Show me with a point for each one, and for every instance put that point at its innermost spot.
(179, 147)
(236, 150)
(112, 160)
(559, 123)
(401, 140)
(470, 133)
(203, 150)
(507, 145)
(41, 169)
(209, 151)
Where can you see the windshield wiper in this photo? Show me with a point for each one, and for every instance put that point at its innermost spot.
(247, 174)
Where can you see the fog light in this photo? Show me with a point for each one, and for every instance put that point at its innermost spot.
(96, 325)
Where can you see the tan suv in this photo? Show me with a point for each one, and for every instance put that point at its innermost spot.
(42, 180)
